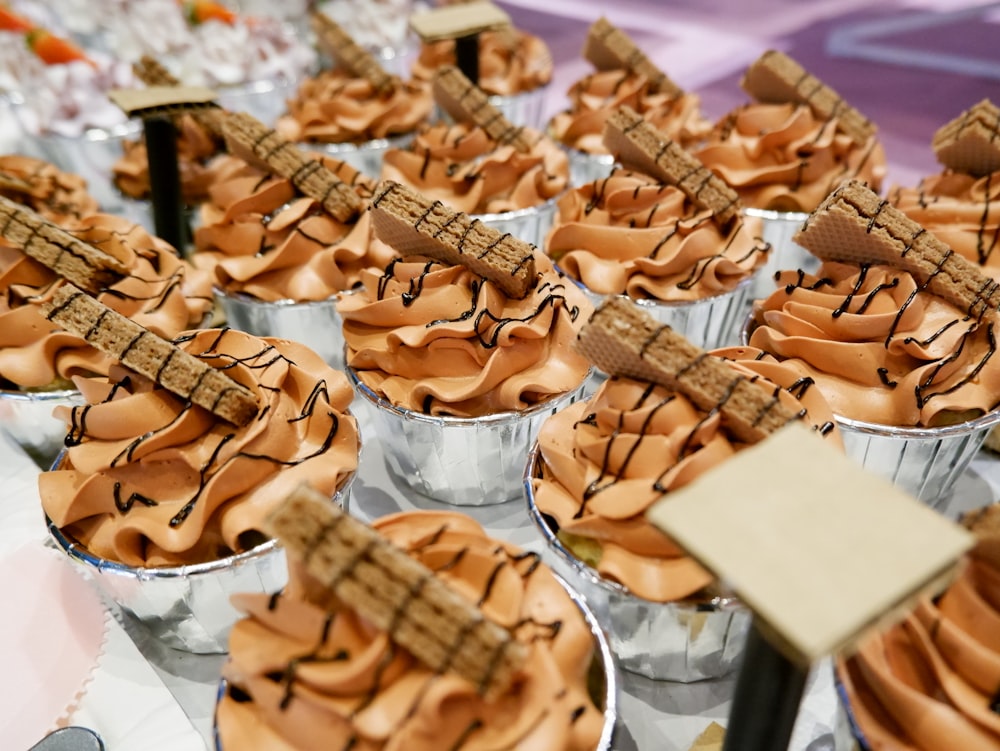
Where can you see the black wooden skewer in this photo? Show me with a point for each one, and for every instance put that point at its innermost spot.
(467, 56)
(165, 181)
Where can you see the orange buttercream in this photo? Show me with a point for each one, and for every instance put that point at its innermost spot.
(162, 292)
(782, 157)
(263, 238)
(336, 107)
(628, 234)
(150, 480)
(605, 461)
(463, 167)
(305, 672)
(510, 61)
(441, 340)
(596, 96)
(880, 347)
(60, 197)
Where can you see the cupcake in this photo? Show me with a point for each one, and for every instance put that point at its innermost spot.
(931, 681)
(506, 176)
(674, 243)
(354, 111)
(459, 367)
(624, 76)
(308, 667)
(787, 150)
(897, 332)
(600, 464)
(279, 258)
(163, 500)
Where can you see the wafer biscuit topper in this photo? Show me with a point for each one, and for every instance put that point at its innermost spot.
(609, 47)
(466, 102)
(413, 223)
(971, 142)
(636, 143)
(397, 593)
(150, 355)
(351, 55)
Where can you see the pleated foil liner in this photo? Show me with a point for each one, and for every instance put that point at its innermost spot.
(365, 157)
(26, 417)
(779, 228)
(681, 642)
(462, 461)
(316, 324)
(530, 224)
(186, 607)
(585, 168)
(605, 682)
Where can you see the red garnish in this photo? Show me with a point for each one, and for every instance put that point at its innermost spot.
(11, 21)
(54, 50)
(199, 11)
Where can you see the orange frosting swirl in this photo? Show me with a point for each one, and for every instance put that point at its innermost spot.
(782, 157)
(195, 149)
(961, 210)
(306, 672)
(605, 461)
(336, 107)
(261, 237)
(879, 347)
(463, 167)
(628, 234)
(440, 340)
(595, 97)
(151, 480)
(162, 292)
(510, 61)
(60, 197)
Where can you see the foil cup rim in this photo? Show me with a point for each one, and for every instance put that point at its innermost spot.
(543, 208)
(285, 302)
(715, 604)
(496, 418)
(39, 396)
(776, 216)
(845, 704)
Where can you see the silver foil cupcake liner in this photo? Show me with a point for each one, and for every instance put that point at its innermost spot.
(26, 416)
(315, 324)
(462, 461)
(266, 100)
(186, 607)
(365, 157)
(779, 227)
(668, 641)
(527, 108)
(585, 168)
(530, 224)
(604, 681)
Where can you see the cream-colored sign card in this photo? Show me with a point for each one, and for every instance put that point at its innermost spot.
(136, 101)
(453, 21)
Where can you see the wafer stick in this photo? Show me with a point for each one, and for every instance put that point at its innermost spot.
(855, 225)
(76, 261)
(413, 223)
(621, 339)
(351, 55)
(971, 142)
(397, 593)
(466, 102)
(776, 78)
(150, 355)
(637, 143)
(608, 47)
(12, 184)
(251, 139)
(152, 73)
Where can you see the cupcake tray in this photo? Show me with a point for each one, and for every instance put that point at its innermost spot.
(182, 687)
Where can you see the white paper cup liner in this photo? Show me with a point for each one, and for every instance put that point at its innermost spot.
(186, 607)
(462, 461)
(779, 227)
(605, 680)
(315, 324)
(26, 416)
(681, 642)
(365, 157)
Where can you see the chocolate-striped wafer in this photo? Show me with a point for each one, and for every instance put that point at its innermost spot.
(776, 78)
(855, 225)
(397, 593)
(74, 260)
(351, 55)
(466, 102)
(637, 144)
(621, 339)
(13, 186)
(412, 223)
(971, 142)
(150, 355)
(608, 47)
(251, 139)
